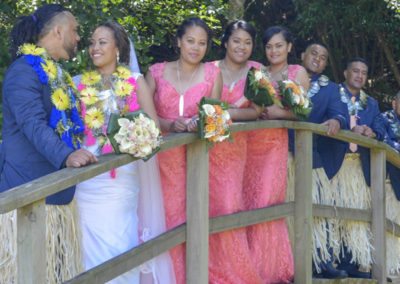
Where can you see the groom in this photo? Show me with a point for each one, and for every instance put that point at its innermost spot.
(31, 147)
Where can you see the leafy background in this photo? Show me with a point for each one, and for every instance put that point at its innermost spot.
(367, 28)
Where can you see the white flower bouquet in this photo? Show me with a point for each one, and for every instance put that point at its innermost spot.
(135, 134)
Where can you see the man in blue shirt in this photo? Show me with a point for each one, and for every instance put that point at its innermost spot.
(327, 110)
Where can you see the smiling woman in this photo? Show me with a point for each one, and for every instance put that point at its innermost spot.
(178, 87)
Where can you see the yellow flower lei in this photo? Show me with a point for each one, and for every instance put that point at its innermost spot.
(64, 119)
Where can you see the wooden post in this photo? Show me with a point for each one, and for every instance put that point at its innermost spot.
(31, 243)
(378, 226)
(303, 207)
(197, 213)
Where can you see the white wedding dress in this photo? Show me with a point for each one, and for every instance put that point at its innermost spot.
(117, 214)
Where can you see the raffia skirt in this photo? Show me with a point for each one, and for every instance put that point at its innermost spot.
(62, 242)
(325, 230)
(392, 242)
(353, 192)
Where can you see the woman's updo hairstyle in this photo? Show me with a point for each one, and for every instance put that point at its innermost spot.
(193, 22)
(236, 25)
(121, 40)
(271, 31)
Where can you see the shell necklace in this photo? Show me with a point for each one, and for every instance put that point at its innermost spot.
(180, 92)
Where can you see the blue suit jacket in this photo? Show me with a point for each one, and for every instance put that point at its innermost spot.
(385, 132)
(327, 152)
(367, 117)
(31, 148)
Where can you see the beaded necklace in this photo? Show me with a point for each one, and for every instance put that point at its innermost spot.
(64, 117)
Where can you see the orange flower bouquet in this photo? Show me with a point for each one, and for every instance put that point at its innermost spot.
(259, 88)
(214, 120)
(295, 98)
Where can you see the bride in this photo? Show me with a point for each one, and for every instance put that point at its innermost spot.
(116, 205)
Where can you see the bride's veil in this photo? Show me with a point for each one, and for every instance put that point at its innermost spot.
(151, 212)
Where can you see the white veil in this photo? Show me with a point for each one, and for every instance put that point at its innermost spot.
(151, 212)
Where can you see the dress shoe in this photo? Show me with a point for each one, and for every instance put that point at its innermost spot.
(359, 274)
(328, 271)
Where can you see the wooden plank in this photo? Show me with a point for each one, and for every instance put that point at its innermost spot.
(132, 258)
(345, 281)
(303, 207)
(31, 243)
(45, 186)
(327, 211)
(378, 226)
(197, 213)
(247, 218)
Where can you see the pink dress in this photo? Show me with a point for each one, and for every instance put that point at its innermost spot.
(173, 162)
(265, 185)
(229, 254)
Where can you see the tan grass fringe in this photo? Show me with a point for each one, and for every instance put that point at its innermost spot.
(392, 242)
(352, 192)
(63, 244)
(325, 231)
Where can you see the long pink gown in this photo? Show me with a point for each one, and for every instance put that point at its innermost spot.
(229, 254)
(265, 185)
(173, 162)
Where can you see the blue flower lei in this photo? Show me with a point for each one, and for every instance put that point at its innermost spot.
(66, 122)
(355, 107)
(394, 122)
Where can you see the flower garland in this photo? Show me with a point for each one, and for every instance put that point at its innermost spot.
(316, 85)
(393, 121)
(123, 90)
(353, 107)
(64, 117)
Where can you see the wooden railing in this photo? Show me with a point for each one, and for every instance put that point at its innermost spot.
(29, 200)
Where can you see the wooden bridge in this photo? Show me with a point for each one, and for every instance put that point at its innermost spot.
(29, 200)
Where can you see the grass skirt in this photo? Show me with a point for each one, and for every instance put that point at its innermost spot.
(353, 192)
(392, 242)
(325, 231)
(62, 242)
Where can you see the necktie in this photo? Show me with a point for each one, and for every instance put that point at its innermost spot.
(353, 122)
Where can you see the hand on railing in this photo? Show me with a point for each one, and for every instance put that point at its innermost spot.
(80, 158)
(333, 126)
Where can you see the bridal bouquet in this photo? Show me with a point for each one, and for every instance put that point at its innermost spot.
(259, 89)
(134, 133)
(295, 98)
(214, 120)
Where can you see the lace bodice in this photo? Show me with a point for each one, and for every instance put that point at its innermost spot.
(166, 97)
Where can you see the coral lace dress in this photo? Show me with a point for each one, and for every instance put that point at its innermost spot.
(173, 162)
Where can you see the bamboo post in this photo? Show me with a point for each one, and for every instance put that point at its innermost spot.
(31, 243)
(197, 213)
(378, 225)
(303, 207)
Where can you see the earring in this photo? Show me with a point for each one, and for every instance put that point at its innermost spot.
(117, 56)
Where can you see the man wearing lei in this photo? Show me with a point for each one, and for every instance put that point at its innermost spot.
(387, 126)
(327, 153)
(352, 182)
(41, 134)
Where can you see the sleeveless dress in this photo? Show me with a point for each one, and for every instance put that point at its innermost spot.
(108, 206)
(265, 185)
(229, 253)
(173, 162)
